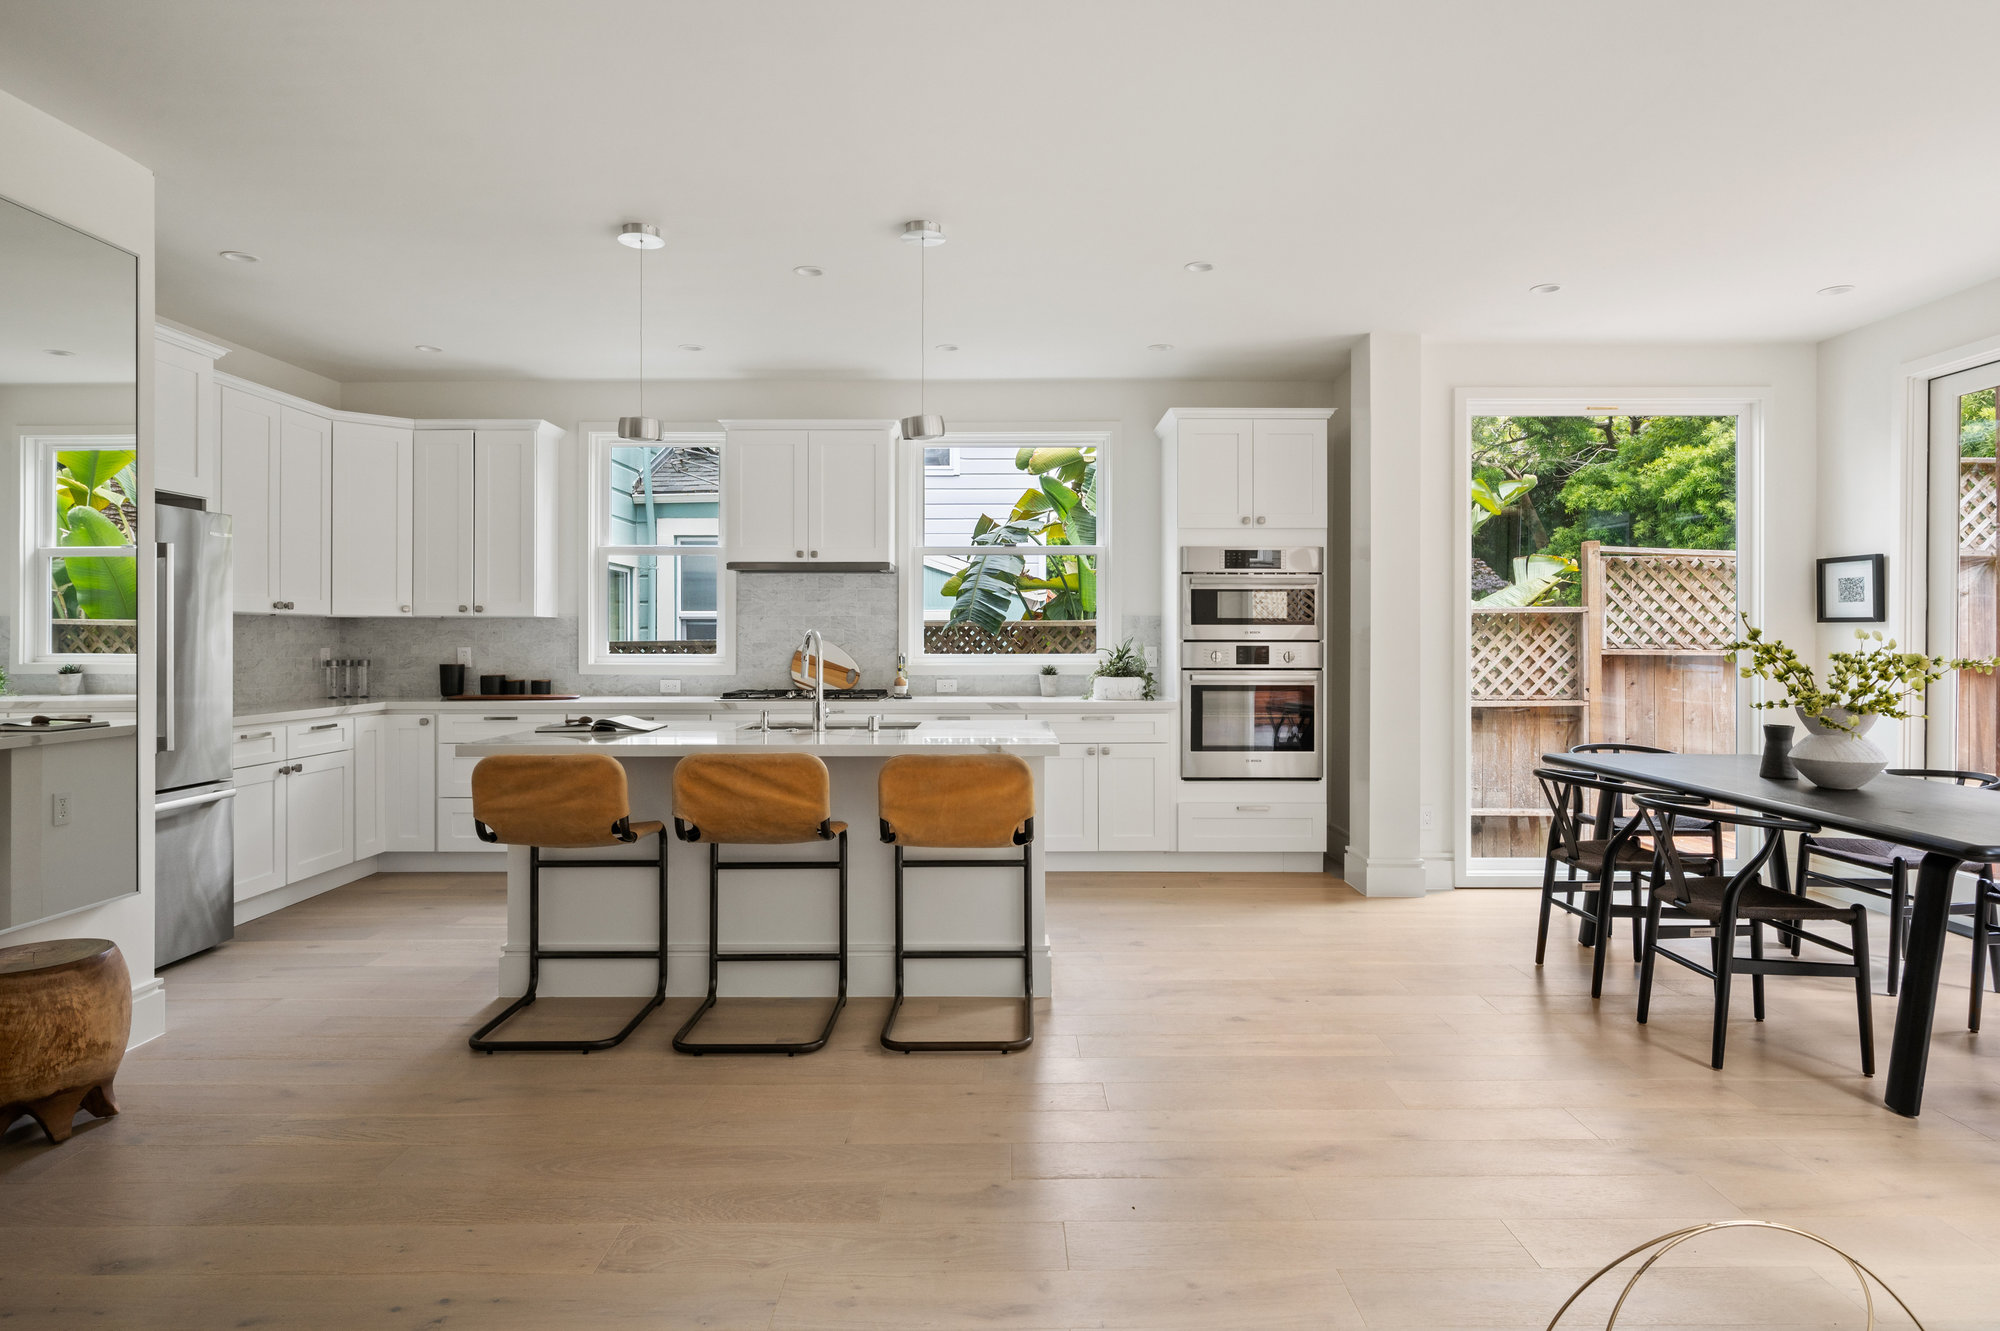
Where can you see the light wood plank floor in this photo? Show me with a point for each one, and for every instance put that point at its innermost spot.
(1257, 1102)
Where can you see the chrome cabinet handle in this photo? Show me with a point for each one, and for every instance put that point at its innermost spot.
(478, 609)
(405, 609)
(815, 554)
(1104, 750)
(277, 605)
(461, 610)
(1091, 751)
(1246, 521)
(1253, 808)
(1260, 522)
(423, 720)
(262, 734)
(1097, 718)
(499, 718)
(798, 554)
(328, 725)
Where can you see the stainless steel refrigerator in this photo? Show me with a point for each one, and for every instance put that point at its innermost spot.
(194, 829)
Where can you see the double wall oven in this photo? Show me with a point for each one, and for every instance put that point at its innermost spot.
(1251, 677)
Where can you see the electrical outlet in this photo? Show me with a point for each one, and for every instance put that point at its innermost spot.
(59, 814)
(670, 686)
(465, 656)
(1427, 818)
(326, 654)
(947, 686)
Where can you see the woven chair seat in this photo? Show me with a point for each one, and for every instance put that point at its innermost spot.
(1589, 856)
(1703, 900)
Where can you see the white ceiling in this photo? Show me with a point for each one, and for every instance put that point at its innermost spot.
(63, 291)
(450, 172)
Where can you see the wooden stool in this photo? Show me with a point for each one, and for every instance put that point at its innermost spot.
(963, 802)
(760, 799)
(65, 1018)
(565, 801)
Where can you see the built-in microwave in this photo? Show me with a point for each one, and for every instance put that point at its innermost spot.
(1250, 712)
(1231, 594)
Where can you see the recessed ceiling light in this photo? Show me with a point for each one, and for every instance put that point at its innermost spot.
(692, 346)
(58, 351)
(947, 346)
(425, 346)
(807, 270)
(1839, 290)
(1159, 346)
(1198, 266)
(1545, 289)
(238, 256)
(641, 236)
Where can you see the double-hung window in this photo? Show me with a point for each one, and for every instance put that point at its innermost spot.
(1009, 566)
(657, 596)
(80, 593)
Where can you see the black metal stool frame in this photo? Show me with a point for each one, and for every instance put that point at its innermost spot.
(716, 956)
(537, 954)
(1025, 839)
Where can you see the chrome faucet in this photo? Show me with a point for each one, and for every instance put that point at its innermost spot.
(814, 652)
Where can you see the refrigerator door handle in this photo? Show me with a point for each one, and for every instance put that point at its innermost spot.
(213, 797)
(164, 599)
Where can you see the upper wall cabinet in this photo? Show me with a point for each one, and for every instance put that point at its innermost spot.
(1247, 468)
(277, 486)
(187, 415)
(374, 519)
(803, 494)
(487, 542)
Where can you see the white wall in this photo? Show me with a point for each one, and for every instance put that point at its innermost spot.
(1782, 374)
(47, 166)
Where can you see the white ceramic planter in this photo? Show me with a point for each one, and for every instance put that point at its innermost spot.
(1104, 688)
(1838, 759)
(1049, 683)
(69, 683)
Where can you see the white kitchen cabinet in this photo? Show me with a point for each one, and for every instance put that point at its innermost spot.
(455, 830)
(374, 519)
(277, 486)
(1251, 825)
(1069, 799)
(409, 783)
(1133, 793)
(319, 814)
(371, 780)
(187, 416)
(305, 512)
(1248, 468)
(259, 814)
(454, 774)
(487, 542)
(820, 492)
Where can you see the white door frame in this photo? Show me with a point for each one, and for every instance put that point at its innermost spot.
(1750, 407)
(1933, 554)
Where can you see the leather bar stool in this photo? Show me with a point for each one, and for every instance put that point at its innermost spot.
(962, 802)
(758, 799)
(564, 801)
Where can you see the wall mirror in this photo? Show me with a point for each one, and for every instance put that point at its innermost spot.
(69, 518)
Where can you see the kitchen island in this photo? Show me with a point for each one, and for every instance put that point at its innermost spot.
(773, 910)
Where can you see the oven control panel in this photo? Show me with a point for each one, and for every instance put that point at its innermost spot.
(1250, 655)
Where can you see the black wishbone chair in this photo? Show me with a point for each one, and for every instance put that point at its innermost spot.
(1593, 853)
(1713, 907)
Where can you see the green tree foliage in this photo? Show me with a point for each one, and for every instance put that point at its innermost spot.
(1059, 509)
(96, 505)
(1976, 424)
(1666, 481)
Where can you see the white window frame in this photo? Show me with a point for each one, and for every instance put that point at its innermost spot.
(33, 638)
(911, 473)
(1749, 408)
(593, 655)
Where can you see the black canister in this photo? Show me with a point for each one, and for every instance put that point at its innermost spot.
(490, 685)
(451, 681)
(541, 686)
(515, 686)
(1777, 763)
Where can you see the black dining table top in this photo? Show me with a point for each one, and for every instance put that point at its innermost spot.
(1934, 816)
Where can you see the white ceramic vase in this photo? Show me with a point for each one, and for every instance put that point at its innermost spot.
(1838, 759)
(71, 683)
(1049, 683)
(1109, 687)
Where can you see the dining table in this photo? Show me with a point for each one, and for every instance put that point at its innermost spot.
(1951, 825)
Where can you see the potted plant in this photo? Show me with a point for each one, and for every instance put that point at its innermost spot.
(69, 678)
(1122, 674)
(1048, 681)
(1861, 687)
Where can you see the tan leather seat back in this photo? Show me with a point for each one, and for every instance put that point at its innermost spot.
(974, 799)
(753, 798)
(558, 799)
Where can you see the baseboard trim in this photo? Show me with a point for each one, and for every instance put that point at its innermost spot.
(149, 1012)
(1388, 878)
(291, 894)
(442, 861)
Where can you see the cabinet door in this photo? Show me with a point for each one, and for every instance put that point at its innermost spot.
(1288, 474)
(250, 496)
(260, 829)
(442, 551)
(374, 519)
(1069, 799)
(371, 785)
(187, 444)
(849, 497)
(1132, 812)
(305, 512)
(319, 815)
(507, 540)
(766, 488)
(409, 817)
(1213, 476)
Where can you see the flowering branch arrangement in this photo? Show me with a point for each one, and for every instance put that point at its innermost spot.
(1876, 680)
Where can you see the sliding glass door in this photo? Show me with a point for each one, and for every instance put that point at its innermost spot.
(1963, 730)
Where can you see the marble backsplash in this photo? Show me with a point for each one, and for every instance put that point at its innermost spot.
(277, 656)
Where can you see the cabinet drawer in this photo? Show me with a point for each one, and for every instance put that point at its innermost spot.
(1096, 727)
(305, 738)
(454, 775)
(253, 745)
(1253, 826)
(454, 827)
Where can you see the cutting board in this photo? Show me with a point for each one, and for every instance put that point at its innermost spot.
(841, 672)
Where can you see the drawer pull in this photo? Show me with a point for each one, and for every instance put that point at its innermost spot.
(262, 734)
(954, 718)
(1253, 808)
(1097, 718)
(499, 718)
(329, 725)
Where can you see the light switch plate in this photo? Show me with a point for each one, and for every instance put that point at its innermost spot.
(670, 686)
(465, 656)
(947, 686)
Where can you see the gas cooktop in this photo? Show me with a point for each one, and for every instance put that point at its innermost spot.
(804, 695)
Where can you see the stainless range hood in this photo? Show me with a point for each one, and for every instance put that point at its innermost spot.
(809, 566)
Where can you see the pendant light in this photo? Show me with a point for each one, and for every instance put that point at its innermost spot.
(923, 235)
(640, 429)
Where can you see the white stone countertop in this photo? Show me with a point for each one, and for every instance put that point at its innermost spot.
(663, 705)
(1027, 738)
(22, 739)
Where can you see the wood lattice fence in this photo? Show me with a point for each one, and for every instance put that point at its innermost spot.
(1978, 705)
(95, 637)
(1640, 661)
(1028, 637)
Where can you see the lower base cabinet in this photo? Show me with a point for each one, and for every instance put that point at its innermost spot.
(1107, 797)
(1253, 825)
(260, 829)
(293, 820)
(395, 785)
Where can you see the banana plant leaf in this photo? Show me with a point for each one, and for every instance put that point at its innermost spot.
(1535, 576)
(1490, 501)
(107, 586)
(985, 593)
